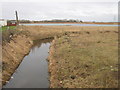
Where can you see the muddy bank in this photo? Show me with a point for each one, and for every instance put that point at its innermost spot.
(52, 67)
(13, 53)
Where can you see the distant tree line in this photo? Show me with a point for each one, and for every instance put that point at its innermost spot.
(55, 20)
(25, 21)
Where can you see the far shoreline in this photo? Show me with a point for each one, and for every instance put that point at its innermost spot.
(112, 23)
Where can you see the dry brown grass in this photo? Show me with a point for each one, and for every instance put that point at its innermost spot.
(86, 59)
(38, 32)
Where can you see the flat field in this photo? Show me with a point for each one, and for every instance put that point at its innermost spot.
(85, 59)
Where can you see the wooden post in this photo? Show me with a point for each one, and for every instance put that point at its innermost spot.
(17, 17)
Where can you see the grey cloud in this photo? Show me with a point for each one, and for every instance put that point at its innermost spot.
(90, 11)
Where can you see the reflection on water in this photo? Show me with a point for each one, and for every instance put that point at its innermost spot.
(33, 70)
(37, 43)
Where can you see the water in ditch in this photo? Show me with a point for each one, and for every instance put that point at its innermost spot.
(33, 70)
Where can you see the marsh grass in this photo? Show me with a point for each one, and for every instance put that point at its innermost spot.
(87, 60)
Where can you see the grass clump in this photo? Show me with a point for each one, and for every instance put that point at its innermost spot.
(7, 28)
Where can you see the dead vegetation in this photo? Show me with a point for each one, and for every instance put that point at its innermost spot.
(87, 59)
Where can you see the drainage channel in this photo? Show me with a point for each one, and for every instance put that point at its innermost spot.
(33, 70)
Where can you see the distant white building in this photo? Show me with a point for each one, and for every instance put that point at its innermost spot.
(3, 22)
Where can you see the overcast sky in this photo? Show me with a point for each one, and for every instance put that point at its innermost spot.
(87, 10)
